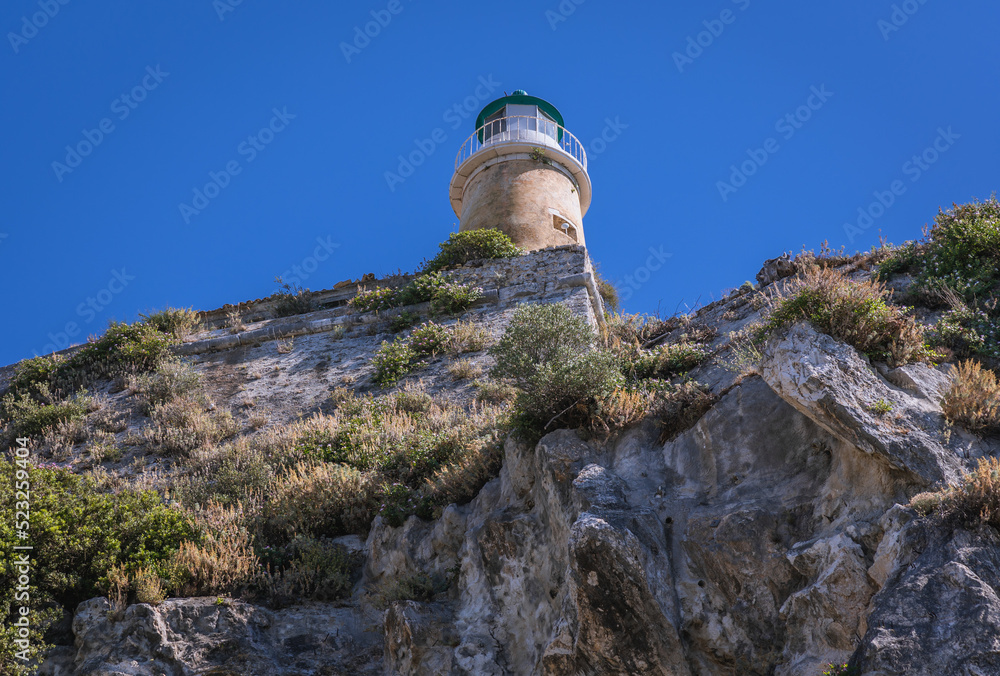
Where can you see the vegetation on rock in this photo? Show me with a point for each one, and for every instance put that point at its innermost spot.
(463, 247)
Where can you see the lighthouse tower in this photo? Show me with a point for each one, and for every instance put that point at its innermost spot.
(521, 172)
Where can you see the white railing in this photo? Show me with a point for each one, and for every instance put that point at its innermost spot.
(538, 131)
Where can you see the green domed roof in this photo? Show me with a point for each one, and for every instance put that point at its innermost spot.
(520, 97)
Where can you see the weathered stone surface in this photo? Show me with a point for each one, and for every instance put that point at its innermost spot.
(832, 384)
(942, 613)
(420, 638)
(188, 636)
(776, 268)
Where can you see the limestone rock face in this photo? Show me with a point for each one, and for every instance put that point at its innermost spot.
(776, 268)
(186, 636)
(770, 538)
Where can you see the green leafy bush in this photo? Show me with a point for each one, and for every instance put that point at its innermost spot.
(399, 501)
(79, 533)
(170, 381)
(124, 349)
(32, 374)
(392, 361)
(963, 251)
(463, 247)
(313, 568)
(548, 353)
(28, 418)
(374, 300)
(429, 339)
(452, 298)
(968, 332)
(663, 361)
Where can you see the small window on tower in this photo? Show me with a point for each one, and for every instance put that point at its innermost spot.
(495, 125)
(564, 226)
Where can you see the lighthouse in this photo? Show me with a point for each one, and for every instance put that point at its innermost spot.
(523, 173)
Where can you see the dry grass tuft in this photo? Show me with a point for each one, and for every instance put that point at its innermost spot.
(224, 562)
(464, 369)
(181, 426)
(974, 398)
(620, 408)
(856, 312)
(322, 498)
(976, 500)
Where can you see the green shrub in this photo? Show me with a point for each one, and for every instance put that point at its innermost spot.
(374, 300)
(968, 332)
(124, 349)
(79, 533)
(898, 260)
(539, 335)
(421, 289)
(313, 568)
(28, 418)
(32, 374)
(963, 251)
(176, 322)
(429, 339)
(664, 361)
(452, 298)
(392, 361)
(399, 501)
(291, 300)
(549, 355)
(463, 247)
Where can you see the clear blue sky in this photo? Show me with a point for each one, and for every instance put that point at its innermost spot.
(201, 79)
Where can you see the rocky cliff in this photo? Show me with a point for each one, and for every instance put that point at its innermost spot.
(774, 536)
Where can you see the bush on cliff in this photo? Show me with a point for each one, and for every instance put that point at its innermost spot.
(958, 265)
(550, 355)
(463, 247)
(856, 312)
